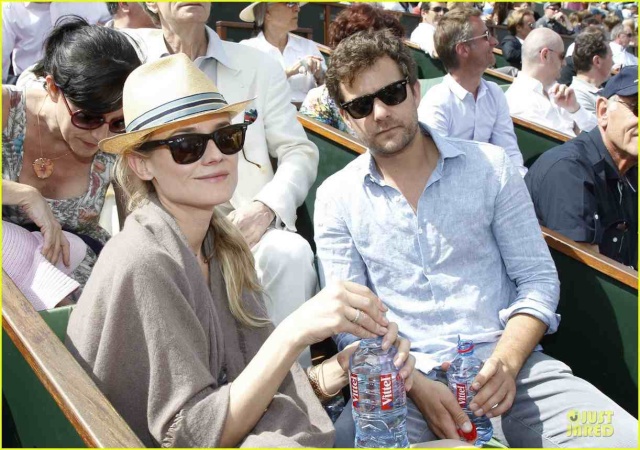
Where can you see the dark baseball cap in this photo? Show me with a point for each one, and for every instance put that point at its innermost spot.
(625, 83)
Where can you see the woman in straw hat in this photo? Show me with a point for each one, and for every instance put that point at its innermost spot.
(171, 323)
(300, 58)
(54, 176)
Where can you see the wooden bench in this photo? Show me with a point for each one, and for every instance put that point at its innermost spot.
(597, 337)
(53, 402)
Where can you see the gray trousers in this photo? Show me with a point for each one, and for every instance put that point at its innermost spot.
(552, 408)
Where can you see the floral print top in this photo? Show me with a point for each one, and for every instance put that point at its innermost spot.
(320, 106)
(81, 214)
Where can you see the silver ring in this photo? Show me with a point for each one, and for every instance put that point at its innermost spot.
(357, 317)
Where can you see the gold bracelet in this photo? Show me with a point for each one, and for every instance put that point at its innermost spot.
(312, 374)
(322, 386)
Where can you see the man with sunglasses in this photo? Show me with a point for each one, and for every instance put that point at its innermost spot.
(444, 232)
(464, 105)
(536, 96)
(587, 188)
(555, 19)
(266, 198)
(620, 38)
(431, 13)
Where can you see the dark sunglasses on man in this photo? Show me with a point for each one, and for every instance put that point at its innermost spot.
(91, 121)
(391, 95)
(189, 148)
(438, 9)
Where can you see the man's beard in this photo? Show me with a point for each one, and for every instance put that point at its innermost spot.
(408, 134)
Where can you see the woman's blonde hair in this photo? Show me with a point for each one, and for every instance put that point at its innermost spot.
(229, 246)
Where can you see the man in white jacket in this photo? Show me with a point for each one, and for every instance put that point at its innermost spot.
(265, 201)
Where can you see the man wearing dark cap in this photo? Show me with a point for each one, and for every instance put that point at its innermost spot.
(555, 19)
(587, 188)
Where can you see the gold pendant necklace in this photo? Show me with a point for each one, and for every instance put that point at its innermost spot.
(43, 167)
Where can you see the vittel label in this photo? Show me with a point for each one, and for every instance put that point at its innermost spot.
(355, 394)
(386, 391)
(461, 394)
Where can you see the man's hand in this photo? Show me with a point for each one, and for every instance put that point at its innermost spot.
(495, 385)
(439, 407)
(564, 97)
(253, 220)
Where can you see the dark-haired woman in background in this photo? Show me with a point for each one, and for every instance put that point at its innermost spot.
(53, 175)
(358, 17)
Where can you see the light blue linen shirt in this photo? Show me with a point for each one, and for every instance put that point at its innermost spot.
(451, 110)
(471, 257)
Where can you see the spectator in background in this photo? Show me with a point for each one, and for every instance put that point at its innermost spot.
(587, 188)
(464, 105)
(554, 19)
(609, 23)
(358, 17)
(501, 12)
(300, 58)
(593, 61)
(25, 25)
(620, 38)
(537, 97)
(520, 23)
(128, 15)
(431, 13)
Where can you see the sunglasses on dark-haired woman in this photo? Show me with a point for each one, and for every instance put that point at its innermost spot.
(90, 121)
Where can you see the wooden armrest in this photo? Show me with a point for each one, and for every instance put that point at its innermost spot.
(88, 410)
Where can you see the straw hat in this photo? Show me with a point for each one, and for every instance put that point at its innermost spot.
(42, 283)
(164, 93)
(247, 15)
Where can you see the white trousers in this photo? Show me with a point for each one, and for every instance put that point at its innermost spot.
(284, 263)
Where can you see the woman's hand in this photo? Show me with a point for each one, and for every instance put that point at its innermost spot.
(335, 369)
(310, 64)
(343, 307)
(55, 243)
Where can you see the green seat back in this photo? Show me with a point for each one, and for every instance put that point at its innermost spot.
(427, 84)
(427, 66)
(501, 61)
(598, 333)
(333, 157)
(533, 143)
(39, 421)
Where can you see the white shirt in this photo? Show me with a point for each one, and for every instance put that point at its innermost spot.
(297, 48)
(527, 100)
(25, 27)
(423, 36)
(451, 110)
(622, 56)
(586, 94)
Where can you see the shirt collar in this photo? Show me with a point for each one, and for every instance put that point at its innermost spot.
(527, 82)
(215, 49)
(601, 160)
(588, 86)
(461, 92)
(367, 166)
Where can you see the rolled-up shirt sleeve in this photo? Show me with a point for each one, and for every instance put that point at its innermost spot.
(338, 258)
(525, 254)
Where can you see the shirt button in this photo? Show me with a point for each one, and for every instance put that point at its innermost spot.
(615, 239)
(595, 216)
(419, 230)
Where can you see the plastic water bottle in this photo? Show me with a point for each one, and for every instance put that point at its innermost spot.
(379, 397)
(460, 376)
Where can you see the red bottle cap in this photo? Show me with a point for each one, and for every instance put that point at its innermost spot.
(471, 436)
